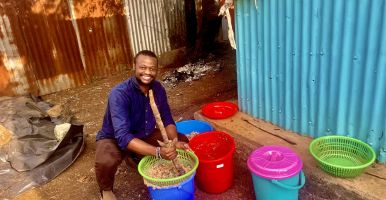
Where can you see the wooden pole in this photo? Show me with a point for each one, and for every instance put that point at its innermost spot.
(166, 142)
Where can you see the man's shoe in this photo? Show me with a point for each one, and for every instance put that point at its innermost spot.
(108, 195)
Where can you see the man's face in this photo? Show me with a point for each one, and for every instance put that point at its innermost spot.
(145, 69)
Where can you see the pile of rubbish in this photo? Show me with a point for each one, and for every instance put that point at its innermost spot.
(191, 71)
(38, 141)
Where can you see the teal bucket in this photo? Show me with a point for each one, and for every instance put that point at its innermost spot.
(285, 189)
(182, 191)
(276, 173)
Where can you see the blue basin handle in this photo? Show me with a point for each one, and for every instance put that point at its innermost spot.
(290, 187)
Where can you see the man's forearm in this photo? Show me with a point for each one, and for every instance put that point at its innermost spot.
(138, 146)
(171, 130)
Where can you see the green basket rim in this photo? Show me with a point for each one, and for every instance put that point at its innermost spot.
(373, 156)
(183, 177)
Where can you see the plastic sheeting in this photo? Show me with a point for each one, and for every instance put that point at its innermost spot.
(34, 155)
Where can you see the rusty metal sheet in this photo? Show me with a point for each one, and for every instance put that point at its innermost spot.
(47, 46)
(105, 45)
(102, 30)
(40, 46)
(14, 73)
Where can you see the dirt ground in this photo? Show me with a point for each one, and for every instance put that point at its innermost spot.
(88, 103)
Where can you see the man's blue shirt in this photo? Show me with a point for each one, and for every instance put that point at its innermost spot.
(128, 114)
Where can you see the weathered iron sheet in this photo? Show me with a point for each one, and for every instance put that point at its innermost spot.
(158, 25)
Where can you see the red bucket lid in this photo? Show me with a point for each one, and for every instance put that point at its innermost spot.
(274, 162)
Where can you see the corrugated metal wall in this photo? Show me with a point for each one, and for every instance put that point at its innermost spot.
(316, 67)
(48, 46)
(159, 25)
(102, 35)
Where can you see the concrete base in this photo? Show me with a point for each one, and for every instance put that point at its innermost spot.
(253, 133)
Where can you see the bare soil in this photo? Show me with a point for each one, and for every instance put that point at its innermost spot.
(88, 102)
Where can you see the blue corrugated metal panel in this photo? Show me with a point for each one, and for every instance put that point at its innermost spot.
(316, 67)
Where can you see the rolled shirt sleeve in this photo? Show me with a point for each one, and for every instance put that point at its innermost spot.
(119, 111)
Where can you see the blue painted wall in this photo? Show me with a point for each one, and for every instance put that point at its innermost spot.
(316, 67)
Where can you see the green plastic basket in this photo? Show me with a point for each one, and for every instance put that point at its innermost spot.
(342, 156)
(184, 157)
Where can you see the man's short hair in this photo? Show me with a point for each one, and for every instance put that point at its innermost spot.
(145, 53)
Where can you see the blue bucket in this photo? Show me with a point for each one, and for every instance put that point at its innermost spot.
(183, 191)
(188, 126)
(285, 189)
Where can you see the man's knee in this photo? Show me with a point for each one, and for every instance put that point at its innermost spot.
(107, 155)
(108, 162)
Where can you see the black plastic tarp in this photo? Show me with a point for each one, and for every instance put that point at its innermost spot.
(34, 155)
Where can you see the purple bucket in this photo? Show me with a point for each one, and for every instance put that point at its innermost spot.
(276, 173)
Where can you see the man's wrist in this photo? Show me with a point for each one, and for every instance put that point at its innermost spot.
(158, 152)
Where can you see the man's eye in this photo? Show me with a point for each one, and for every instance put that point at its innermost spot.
(149, 68)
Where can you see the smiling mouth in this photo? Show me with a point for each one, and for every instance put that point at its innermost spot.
(147, 78)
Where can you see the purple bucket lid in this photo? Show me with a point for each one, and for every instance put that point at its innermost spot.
(274, 162)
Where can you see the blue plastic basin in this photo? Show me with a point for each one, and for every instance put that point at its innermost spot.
(188, 126)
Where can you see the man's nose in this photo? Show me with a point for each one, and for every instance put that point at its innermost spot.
(148, 71)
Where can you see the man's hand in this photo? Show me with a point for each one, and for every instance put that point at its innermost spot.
(183, 145)
(168, 153)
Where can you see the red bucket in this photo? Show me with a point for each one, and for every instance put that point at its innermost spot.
(215, 151)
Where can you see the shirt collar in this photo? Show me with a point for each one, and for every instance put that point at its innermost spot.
(134, 80)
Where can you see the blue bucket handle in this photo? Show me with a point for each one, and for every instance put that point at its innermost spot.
(290, 187)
